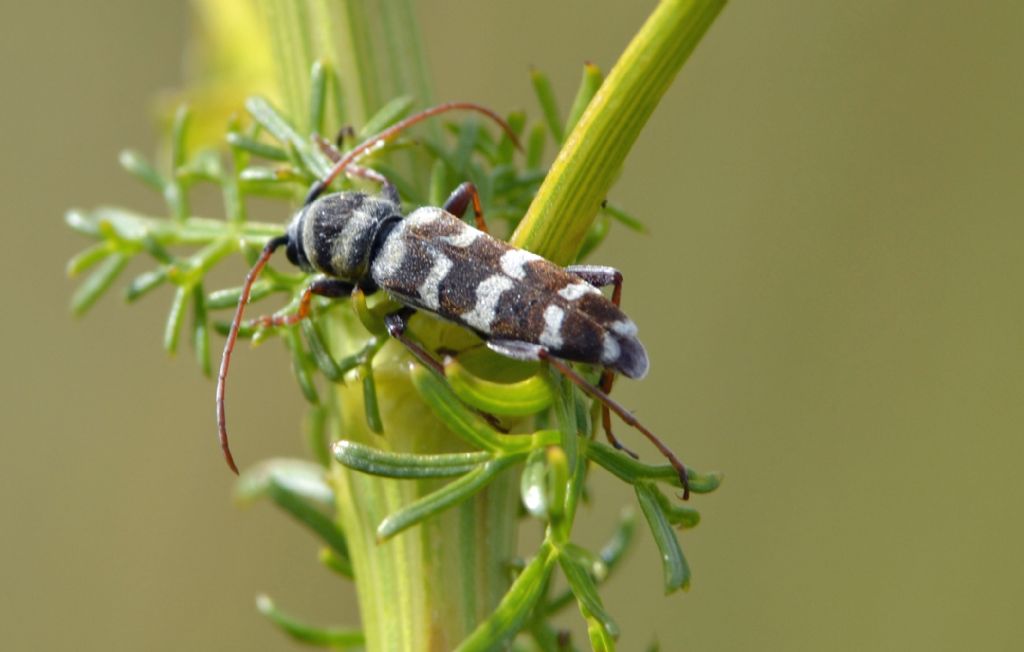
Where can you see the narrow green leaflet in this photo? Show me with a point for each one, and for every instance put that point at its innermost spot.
(676, 570)
(406, 465)
(98, 282)
(500, 627)
(632, 471)
(514, 399)
(463, 422)
(585, 590)
(451, 494)
(340, 638)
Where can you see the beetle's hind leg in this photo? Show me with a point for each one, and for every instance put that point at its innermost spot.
(600, 276)
(527, 351)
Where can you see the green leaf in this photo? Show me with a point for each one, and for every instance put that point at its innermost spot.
(136, 165)
(548, 104)
(200, 330)
(583, 587)
(257, 147)
(370, 405)
(592, 78)
(300, 490)
(624, 218)
(98, 282)
(535, 145)
(317, 97)
(513, 399)
(144, 283)
(387, 115)
(616, 548)
(451, 494)
(676, 570)
(406, 465)
(463, 422)
(341, 638)
(228, 298)
(318, 349)
(502, 625)
(632, 471)
(302, 365)
(533, 484)
(86, 258)
(681, 516)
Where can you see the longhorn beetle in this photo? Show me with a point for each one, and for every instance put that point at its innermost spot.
(520, 304)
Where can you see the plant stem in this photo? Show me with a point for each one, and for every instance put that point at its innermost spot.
(593, 153)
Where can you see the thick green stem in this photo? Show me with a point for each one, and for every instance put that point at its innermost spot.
(593, 153)
(428, 587)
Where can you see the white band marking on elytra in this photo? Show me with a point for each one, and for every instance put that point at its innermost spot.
(430, 287)
(465, 237)
(574, 291)
(513, 262)
(425, 215)
(624, 327)
(487, 295)
(552, 335)
(611, 350)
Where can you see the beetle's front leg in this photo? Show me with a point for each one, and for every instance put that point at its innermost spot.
(323, 286)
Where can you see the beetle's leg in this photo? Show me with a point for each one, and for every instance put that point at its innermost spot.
(527, 351)
(397, 323)
(352, 170)
(323, 286)
(601, 276)
(459, 200)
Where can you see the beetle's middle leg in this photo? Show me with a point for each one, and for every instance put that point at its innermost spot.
(600, 276)
(323, 286)
(397, 323)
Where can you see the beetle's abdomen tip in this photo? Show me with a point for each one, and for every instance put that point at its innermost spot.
(632, 361)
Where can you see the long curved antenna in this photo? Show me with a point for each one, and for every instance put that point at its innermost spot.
(374, 142)
(229, 345)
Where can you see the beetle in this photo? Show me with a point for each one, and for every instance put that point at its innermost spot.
(520, 304)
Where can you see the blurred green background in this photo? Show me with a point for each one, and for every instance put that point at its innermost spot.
(831, 296)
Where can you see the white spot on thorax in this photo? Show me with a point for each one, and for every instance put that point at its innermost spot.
(513, 262)
(487, 295)
(465, 237)
(611, 351)
(576, 290)
(389, 259)
(552, 335)
(430, 286)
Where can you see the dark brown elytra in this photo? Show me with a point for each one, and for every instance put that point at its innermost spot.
(464, 197)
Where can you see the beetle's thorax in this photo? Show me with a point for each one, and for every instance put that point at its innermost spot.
(334, 235)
